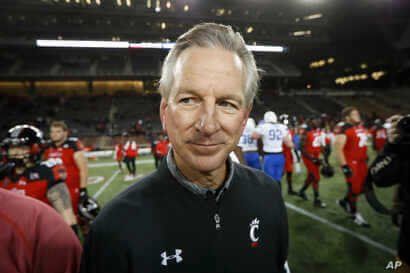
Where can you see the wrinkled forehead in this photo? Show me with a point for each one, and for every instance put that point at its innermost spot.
(200, 68)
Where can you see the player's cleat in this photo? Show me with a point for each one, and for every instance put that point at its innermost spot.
(344, 204)
(359, 220)
(292, 192)
(302, 195)
(128, 177)
(319, 204)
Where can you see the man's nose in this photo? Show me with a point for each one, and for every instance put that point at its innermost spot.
(208, 122)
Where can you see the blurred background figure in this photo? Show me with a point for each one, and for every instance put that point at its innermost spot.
(249, 145)
(131, 153)
(161, 148)
(273, 136)
(23, 172)
(119, 154)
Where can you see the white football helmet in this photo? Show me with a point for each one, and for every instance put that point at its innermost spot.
(250, 124)
(270, 117)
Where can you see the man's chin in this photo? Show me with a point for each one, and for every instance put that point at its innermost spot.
(207, 163)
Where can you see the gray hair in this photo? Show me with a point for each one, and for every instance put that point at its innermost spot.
(211, 35)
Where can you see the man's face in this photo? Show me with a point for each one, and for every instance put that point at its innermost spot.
(206, 112)
(355, 117)
(57, 134)
(18, 152)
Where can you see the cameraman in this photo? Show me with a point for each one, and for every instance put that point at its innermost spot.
(392, 166)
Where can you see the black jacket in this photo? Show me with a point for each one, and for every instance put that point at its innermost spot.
(157, 225)
(391, 167)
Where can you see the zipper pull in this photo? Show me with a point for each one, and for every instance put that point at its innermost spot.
(217, 219)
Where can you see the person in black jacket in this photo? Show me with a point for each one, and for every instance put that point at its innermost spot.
(392, 166)
(199, 212)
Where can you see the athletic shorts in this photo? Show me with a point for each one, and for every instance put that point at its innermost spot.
(311, 167)
(359, 173)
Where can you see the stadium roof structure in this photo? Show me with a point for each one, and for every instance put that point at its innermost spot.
(343, 33)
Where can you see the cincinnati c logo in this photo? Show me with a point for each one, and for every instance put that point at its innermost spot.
(254, 225)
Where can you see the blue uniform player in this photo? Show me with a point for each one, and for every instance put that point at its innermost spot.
(273, 136)
(249, 145)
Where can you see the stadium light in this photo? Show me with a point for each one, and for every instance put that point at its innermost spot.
(313, 16)
(125, 44)
(261, 48)
(152, 45)
(81, 44)
(158, 6)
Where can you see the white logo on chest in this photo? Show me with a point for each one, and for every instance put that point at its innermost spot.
(254, 226)
(177, 257)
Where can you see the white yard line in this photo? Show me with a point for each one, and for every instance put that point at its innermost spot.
(339, 228)
(110, 164)
(106, 184)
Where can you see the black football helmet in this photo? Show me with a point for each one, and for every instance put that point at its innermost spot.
(88, 210)
(327, 171)
(23, 135)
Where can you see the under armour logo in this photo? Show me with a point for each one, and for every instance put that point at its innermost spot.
(166, 258)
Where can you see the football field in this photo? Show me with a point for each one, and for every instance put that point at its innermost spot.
(321, 239)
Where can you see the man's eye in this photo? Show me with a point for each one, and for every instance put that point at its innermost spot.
(228, 104)
(187, 100)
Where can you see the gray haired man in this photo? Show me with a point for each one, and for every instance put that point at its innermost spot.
(199, 212)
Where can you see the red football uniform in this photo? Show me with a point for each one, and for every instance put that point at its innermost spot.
(119, 152)
(379, 138)
(131, 149)
(35, 181)
(287, 152)
(66, 153)
(161, 149)
(355, 152)
(314, 141)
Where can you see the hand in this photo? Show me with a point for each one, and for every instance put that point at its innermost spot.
(83, 195)
(392, 132)
(317, 161)
(347, 171)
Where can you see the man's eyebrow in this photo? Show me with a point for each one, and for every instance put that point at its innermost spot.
(188, 91)
(223, 97)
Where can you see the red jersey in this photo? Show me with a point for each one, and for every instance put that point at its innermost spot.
(66, 153)
(161, 149)
(355, 148)
(379, 138)
(314, 141)
(287, 152)
(35, 181)
(119, 152)
(34, 238)
(131, 149)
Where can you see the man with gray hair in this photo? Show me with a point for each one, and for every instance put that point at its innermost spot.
(199, 212)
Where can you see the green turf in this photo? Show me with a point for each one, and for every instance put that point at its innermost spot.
(314, 247)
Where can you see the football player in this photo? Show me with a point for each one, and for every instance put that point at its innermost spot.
(273, 135)
(161, 148)
(287, 152)
(70, 151)
(312, 145)
(249, 145)
(351, 152)
(24, 173)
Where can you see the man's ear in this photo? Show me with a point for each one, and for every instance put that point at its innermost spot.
(162, 109)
